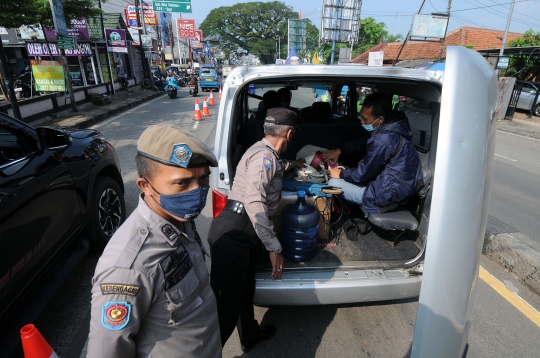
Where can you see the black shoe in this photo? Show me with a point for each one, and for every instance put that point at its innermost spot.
(267, 332)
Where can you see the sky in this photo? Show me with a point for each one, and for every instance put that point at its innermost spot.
(397, 14)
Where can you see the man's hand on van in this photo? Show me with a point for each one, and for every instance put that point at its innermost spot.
(277, 265)
(331, 155)
(300, 163)
(334, 172)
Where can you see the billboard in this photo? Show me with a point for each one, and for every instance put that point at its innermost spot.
(186, 29)
(298, 34)
(49, 76)
(148, 15)
(340, 20)
(116, 40)
(376, 58)
(41, 49)
(429, 26)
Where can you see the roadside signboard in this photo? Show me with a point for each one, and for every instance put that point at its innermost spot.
(49, 76)
(502, 62)
(116, 40)
(376, 58)
(429, 26)
(130, 13)
(168, 56)
(41, 49)
(134, 35)
(172, 6)
(186, 29)
(146, 40)
(199, 35)
(66, 42)
(58, 17)
(78, 30)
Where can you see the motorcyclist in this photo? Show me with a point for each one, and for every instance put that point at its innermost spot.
(192, 77)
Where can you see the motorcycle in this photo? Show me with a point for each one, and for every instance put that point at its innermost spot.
(180, 81)
(23, 84)
(171, 88)
(193, 89)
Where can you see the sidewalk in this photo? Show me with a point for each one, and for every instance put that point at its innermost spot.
(504, 244)
(90, 114)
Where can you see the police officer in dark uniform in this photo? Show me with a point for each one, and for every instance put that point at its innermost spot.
(245, 228)
(151, 294)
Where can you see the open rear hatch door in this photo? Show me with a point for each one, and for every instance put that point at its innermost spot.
(460, 195)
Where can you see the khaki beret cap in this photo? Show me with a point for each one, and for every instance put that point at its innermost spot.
(173, 146)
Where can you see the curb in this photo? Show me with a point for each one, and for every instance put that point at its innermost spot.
(513, 251)
(111, 113)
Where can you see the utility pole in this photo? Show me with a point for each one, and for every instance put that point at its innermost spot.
(106, 51)
(408, 34)
(507, 27)
(144, 62)
(445, 30)
(9, 83)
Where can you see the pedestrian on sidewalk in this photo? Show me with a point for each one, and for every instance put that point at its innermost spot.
(121, 75)
(151, 294)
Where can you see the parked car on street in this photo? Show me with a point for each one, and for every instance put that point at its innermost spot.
(440, 231)
(61, 193)
(527, 97)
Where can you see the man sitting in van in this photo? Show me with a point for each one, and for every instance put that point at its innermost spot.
(389, 173)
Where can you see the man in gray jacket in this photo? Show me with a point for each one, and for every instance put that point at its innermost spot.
(151, 294)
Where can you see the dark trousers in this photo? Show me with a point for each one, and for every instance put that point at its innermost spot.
(234, 247)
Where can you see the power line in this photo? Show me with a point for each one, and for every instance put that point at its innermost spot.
(517, 12)
(481, 7)
(503, 15)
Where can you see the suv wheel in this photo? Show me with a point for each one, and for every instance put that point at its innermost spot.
(108, 211)
(537, 110)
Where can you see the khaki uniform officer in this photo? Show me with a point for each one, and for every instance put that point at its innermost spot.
(237, 233)
(151, 294)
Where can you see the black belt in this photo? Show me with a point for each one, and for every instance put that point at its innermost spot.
(235, 206)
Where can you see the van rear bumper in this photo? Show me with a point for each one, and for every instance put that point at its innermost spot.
(335, 287)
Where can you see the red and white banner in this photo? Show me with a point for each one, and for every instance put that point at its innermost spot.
(199, 35)
(130, 14)
(186, 29)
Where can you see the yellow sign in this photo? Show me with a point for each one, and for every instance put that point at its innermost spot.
(49, 76)
(168, 56)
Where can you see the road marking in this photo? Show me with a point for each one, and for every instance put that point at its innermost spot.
(529, 311)
(518, 135)
(196, 125)
(502, 156)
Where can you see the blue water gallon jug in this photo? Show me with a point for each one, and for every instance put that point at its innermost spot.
(299, 229)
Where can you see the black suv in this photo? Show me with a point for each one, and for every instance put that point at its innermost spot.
(57, 189)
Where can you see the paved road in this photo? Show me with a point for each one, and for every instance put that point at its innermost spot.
(357, 330)
(515, 195)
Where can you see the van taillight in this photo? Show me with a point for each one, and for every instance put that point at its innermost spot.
(219, 201)
(216, 80)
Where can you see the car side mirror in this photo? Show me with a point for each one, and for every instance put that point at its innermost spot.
(53, 138)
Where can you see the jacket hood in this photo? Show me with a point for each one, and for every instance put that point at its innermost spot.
(397, 122)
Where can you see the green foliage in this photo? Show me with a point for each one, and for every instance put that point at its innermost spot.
(14, 13)
(522, 66)
(253, 27)
(469, 46)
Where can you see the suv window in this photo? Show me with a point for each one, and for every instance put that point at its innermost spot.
(12, 146)
(419, 114)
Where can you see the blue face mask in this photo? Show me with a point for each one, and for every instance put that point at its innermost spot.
(186, 205)
(369, 127)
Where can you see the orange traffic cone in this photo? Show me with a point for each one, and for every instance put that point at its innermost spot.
(198, 115)
(34, 345)
(219, 94)
(211, 99)
(205, 111)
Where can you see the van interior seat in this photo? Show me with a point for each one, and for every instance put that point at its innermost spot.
(319, 111)
(401, 218)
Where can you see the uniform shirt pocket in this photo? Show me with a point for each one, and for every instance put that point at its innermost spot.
(183, 297)
(276, 184)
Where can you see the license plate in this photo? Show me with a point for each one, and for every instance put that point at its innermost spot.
(208, 79)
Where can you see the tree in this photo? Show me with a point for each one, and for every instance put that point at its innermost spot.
(522, 66)
(253, 27)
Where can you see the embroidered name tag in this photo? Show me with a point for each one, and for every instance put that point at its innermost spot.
(175, 267)
(119, 289)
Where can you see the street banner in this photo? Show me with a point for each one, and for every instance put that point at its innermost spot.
(40, 49)
(58, 17)
(199, 35)
(116, 40)
(376, 58)
(130, 13)
(79, 30)
(186, 29)
(48, 76)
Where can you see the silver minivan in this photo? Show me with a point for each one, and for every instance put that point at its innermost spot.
(451, 114)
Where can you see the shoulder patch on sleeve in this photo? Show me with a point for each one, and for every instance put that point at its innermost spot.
(267, 161)
(119, 289)
(115, 315)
